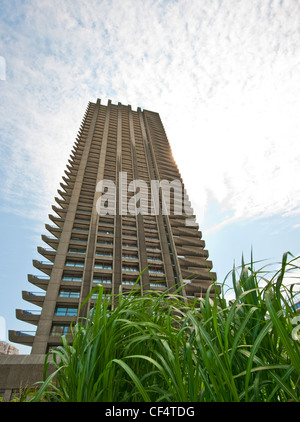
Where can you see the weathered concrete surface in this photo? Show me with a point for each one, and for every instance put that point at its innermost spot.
(20, 371)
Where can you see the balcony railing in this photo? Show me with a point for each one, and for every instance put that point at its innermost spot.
(25, 333)
(69, 294)
(136, 270)
(158, 284)
(76, 251)
(32, 312)
(104, 254)
(156, 272)
(130, 283)
(65, 311)
(103, 266)
(69, 278)
(74, 264)
(102, 280)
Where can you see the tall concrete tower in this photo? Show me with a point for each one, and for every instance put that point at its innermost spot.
(122, 207)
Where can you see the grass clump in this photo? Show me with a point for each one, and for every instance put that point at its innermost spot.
(158, 348)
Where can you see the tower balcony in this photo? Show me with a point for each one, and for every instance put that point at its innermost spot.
(151, 241)
(129, 245)
(156, 267)
(128, 284)
(74, 165)
(194, 261)
(21, 337)
(68, 298)
(75, 158)
(191, 252)
(199, 274)
(70, 176)
(71, 279)
(84, 210)
(129, 233)
(69, 182)
(104, 254)
(65, 313)
(81, 223)
(151, 231)
(47, 253)
(156, 276)
(76, 252)
(66, 188)
(177, 221)
(105, 233)
(71, 170)
(188, 241)
(65, 195)
(198, 289)
(39, 281)
(59, 221)
(56, 231)
(129, 258)
(104, 266)
(202, 263)
(75, 264)
(36, 298)
(60, 211)
(30, 316)
(61, 202)
(130, 270)
(159, 285)
(186, 231)
(83, 229)
(50, 240)
(44, 266)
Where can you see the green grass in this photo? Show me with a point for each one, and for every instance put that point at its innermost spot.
(158, 348)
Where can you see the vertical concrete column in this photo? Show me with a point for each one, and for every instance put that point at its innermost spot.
(117, 248)
(44, 327)
(163, 223)
(87, 282)
(145, 282)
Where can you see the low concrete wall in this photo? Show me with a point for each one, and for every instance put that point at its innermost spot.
(18, 372)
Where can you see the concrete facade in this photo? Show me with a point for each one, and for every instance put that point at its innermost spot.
(18, 372)
(84, 248)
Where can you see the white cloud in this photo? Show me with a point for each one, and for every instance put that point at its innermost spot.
(222, 75)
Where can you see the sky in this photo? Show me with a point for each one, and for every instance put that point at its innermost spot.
(224, 76)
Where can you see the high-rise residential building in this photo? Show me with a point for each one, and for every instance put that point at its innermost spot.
(122, 207)
(8, 349)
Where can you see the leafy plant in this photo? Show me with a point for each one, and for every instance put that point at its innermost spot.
(159, 347)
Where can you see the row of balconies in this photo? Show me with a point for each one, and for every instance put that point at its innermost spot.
(65, 313)
(188, 237)
(104, 249)
(103, 264)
